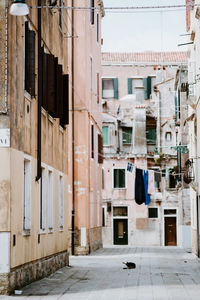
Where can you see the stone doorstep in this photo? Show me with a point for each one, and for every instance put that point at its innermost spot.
(25, 274)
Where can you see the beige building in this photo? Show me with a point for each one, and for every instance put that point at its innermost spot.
(139, 120)
(85, 138)
(34, 83)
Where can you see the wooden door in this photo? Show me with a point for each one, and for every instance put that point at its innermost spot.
(120, 232)
(170, 231)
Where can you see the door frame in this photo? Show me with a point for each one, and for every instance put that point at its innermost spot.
(119, 219)
(163, 224)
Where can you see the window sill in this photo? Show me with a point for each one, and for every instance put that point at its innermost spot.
(50, 230)
(26, 232)
(43, 231)
(115, 188)
(51, 119)
(27, 96)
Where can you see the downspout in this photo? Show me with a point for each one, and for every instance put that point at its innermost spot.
(39, 95)
(73, 167)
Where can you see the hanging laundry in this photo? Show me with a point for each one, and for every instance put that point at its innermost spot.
(146, 179)
(151, 183)
(130, 167)
(139, 187)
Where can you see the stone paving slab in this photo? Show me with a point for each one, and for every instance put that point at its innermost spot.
(161, 273)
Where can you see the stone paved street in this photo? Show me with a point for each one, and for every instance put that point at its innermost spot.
(161, 273)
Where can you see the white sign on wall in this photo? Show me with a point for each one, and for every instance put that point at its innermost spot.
(5, 137)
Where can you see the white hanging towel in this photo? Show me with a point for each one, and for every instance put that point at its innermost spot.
(151, 183)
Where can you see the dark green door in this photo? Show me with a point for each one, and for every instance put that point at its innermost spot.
(120, 231)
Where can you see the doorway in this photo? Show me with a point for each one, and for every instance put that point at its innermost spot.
(170, 231)
(120, 231)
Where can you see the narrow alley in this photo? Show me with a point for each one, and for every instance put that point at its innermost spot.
(160, 273)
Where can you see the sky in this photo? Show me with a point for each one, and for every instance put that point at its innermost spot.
(145, 30)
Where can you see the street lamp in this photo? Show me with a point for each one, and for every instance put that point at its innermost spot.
(19, 8)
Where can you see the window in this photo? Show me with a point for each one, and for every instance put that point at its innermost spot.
(103, 217)
(105, 135)
(119, 178)
(168, 136)
(151, 135)
(60, 14)
(50, 200)
(92, 12)
(100, 148)
(27, 195)
(153, 212)
(127, 135)
(110, 88)
(120, 211)
(43, 200)
(92, 141)
(61, 202)
(29, 72)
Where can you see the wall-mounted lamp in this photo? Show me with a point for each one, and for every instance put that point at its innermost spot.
(19, 8)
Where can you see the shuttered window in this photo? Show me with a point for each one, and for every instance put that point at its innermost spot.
(147, 87)
(119, 178)
(29, 60)
(100, 149)
(115, 84)
(27, 195)
(130, 88)
(151, 135)
(98, 90)
(92, 12)
(127, 135)
(51, 83)
(65, 118)
(44, 80)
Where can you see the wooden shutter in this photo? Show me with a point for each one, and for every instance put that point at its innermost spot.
(100, 149)
(130, 86)
(65, 118)
(31, 41)
(92, 141)
(51, 83)
(59, 92)
(115, 85)
(44, 80)
(147, 87)
(29, 61)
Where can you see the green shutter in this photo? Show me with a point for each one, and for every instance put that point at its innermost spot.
(147, 87)
(105, 135)
(115, 85)
(119, 178)
(151, 135)
(130, 87)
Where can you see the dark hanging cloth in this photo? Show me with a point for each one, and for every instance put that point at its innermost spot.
(146, 180)
(139, 187)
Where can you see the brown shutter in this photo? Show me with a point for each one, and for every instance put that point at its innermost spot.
(26, 73)
(51, 83)
(65, 118)
(59, 92)
(31, 66)
(100, 149)
(44, 79)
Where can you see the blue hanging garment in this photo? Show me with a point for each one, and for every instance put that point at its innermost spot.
(146, 180)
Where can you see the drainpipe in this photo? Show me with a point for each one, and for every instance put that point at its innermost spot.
(73, 167)
(39, 95)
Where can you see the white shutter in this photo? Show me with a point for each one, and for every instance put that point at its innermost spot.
(50, 200)
(61, 202)
(43, 199)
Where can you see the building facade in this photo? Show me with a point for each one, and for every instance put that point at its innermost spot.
(85, 131)
(34, 84)
(139, 120)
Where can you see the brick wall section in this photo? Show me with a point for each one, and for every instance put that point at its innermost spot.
(30, 272)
